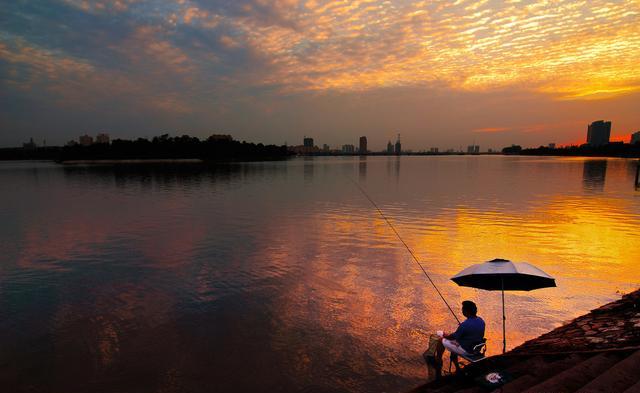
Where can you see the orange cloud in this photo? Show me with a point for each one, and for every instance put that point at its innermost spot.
(97, 6)
(43, 63)
(492, 129)
(569, 49)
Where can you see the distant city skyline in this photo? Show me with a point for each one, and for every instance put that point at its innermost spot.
(598, 133)
(443, 74)
(309, 141)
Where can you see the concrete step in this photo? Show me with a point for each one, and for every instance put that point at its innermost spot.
(520, 371)
(633, 389)
(537, 370)
(524, 366)
(452, 387)
(475, 389)
(518, 385)
(618, 378)
(577, 376)
(448, 384)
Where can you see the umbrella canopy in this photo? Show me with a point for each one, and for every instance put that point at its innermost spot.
(501, 274)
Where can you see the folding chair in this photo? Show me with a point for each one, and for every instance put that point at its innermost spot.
(477, 355)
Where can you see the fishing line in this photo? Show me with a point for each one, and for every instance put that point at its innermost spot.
(406, 246)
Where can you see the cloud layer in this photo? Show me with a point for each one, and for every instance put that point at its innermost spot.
(251, 66)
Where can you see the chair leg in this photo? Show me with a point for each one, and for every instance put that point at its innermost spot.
(455, 361)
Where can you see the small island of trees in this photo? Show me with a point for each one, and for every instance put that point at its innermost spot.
(163, 147)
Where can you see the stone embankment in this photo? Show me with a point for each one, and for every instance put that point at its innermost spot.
(596, 352)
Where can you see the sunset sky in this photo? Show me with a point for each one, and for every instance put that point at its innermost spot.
(441, 73)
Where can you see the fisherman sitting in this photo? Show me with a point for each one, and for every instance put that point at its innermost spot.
(462, 342)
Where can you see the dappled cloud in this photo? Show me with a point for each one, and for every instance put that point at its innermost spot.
(572, 49)
(569, 48)
(101, 5)
(218, 57)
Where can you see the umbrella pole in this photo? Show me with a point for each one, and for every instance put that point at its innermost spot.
(504, 321)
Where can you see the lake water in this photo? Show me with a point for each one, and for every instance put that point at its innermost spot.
(281, 276)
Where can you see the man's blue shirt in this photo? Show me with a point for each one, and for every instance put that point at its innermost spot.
(469, 333)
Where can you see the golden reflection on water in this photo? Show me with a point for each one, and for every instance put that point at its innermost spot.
(293, 266)
(587, 242)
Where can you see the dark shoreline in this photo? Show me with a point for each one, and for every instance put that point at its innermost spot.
(213, 149)
(613, 150)
(190, 160)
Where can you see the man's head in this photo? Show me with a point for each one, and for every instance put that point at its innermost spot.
(469, 309)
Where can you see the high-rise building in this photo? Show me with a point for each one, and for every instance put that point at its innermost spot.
(433, 150)
(398, 146)
(308, 142)
(635, 138)
(473, 149)
(389, 148)
(598, 133)
(349, 149)
(325, 148)
(551, 146)
(85, 140)
(29, 145)
(363, 145)
(102, 138)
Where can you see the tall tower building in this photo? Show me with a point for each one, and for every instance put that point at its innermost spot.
(85, 140)
(398, 146)
(598, 133)
(349, 149)
(389, 148)
(363, 145)
(308, 142)
(102, 138)
(29, 145)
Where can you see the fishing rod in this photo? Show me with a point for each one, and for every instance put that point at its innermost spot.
(407, 247)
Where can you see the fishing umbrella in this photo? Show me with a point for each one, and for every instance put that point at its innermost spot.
(503, 275)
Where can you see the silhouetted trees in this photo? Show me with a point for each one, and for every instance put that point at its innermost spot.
(513, 149)
(615, 149)
(214, 148)
(181, 147)
(38, 153)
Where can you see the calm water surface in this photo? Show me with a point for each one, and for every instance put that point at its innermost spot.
(280, 276)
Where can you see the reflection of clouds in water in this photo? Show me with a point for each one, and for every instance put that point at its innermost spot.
(559, 232)
(93, 215)
(309, 168)
(89, 232)
(98, 325)
(339, 291)
(177, 275)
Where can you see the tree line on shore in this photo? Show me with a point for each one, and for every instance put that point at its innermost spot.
(615, 149)
(224, 148)
(213, 148)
